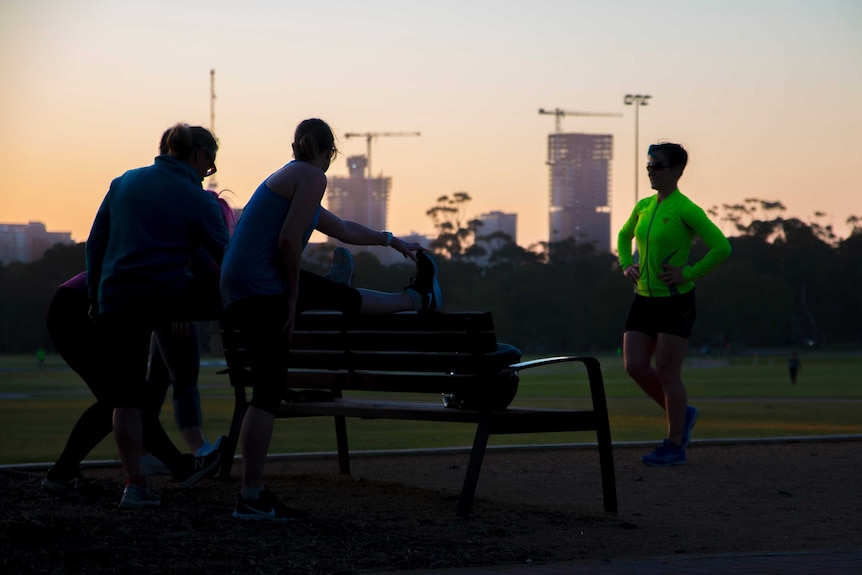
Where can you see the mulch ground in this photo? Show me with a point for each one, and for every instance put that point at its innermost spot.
(397, 513)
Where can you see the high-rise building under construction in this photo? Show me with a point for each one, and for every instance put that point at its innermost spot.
(580, 166)
(357, 198)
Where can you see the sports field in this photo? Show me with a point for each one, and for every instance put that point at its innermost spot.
(738, 397)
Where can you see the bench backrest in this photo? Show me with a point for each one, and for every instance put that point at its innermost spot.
(428, 353)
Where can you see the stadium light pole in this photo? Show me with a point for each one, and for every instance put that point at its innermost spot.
(636, 100)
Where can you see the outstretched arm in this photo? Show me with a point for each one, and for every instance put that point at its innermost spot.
(356, 234)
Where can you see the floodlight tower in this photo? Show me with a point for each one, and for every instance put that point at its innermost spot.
(636, 100)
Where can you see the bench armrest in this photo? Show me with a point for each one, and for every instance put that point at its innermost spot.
(589, 361)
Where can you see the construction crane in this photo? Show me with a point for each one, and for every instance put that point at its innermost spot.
(560, 113)
(212, 184)
(369, 136)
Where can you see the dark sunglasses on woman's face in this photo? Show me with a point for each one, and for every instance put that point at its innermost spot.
(212, 169)
(656, 167)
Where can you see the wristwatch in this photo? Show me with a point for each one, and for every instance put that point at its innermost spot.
(387, 238)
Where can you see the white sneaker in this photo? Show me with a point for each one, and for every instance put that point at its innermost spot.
(135, 497)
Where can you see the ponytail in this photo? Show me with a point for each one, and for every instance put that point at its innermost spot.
(313, 138)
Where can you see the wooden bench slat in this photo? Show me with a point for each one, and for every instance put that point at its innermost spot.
(481, 342)
(406, 321)
(399, 382)
(389, 361)
(512, 420)
(484, 342)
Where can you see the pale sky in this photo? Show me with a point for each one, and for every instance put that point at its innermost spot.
(766, 95)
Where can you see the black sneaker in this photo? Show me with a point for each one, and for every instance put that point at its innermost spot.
(197, 469)
(265, 508)
(426, 283)
(60, 485)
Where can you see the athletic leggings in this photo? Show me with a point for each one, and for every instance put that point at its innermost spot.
(175, 363)
(79, 342)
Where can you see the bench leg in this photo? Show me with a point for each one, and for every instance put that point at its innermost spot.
(603, 434)
(341, 440)
(475, 466)
(606, 461)
(229, 451)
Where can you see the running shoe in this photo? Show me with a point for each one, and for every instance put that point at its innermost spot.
(196, 468)
(60, 485)
(266, 508)
(665, 455)
(342, 268)
(691, 413)
(136, 497)
(426, 283)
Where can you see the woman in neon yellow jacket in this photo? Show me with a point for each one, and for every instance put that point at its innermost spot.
(662, 315)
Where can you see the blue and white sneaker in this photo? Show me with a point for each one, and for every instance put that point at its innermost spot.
(208, 447)
(691, 413)
(426, 283)
(665, 455)
(342, 268)
(135, 497)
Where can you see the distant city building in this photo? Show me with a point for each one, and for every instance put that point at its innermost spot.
(581, 188)
(495, 225)
(359, 199)
(27, 243)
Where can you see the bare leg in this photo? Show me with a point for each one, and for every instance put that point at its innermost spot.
(194, 436)
(255, 438)
(378, 303)
(638, 349)
(129, 434)
(670, 353)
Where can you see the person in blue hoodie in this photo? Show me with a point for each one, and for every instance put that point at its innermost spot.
(150, 225)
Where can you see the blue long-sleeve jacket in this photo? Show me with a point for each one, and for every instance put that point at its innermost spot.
(150, 225)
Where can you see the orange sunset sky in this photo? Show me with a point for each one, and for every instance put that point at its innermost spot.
(765, 94)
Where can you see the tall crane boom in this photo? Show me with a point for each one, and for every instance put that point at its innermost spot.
(369, 136)
(560, 113)
(213, 185)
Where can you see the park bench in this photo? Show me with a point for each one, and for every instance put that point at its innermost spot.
(419, 354)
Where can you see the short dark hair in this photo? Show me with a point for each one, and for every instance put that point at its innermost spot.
(181, 140)
(676, 155)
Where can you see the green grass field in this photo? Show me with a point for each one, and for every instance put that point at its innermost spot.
(740, 397)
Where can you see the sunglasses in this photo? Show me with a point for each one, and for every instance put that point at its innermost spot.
(657, 167)
(212, 169)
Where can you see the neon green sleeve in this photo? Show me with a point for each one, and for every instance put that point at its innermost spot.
(624, 239)
(719, 247)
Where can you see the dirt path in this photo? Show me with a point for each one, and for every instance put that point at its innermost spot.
(397, 512)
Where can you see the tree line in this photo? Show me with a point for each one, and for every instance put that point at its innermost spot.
(788, 283)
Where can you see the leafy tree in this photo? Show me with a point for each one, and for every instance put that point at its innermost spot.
(456, 235)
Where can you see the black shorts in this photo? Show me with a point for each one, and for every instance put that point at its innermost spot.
(673, 315)
(262, 318)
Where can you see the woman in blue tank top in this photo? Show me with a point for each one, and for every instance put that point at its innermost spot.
(263, 289)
